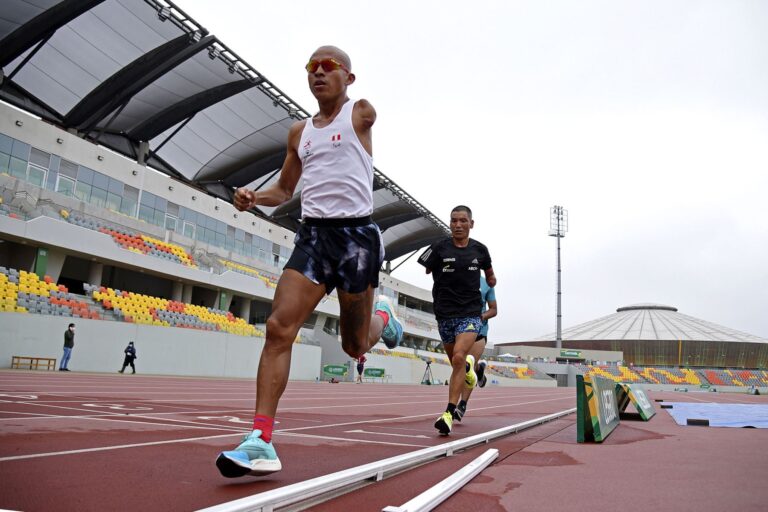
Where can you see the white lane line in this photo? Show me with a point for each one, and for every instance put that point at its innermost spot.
(399, 418)
(285, 432)
(192, 439)
(356, 441)
(122, 417)
(117, 447)
(152, 416)
(360, 431)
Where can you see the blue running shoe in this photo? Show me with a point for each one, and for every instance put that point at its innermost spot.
(253, 456)
(393, 331)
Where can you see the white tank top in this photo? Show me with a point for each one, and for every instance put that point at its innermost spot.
(337, 171)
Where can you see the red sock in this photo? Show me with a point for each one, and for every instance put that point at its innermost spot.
(265, 424)
(383, 314)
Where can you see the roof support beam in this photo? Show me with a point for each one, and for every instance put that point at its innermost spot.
(120, 87)
(41, 26)
(158, 123)
(247, 172)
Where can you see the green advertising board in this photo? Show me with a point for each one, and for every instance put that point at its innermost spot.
(337, 370)
(376, 373)
(626, 393)
(570, 353)
(597, 413)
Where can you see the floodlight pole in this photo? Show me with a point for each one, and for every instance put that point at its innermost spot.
(558, 226)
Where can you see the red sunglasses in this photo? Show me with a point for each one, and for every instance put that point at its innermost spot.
(328, 65)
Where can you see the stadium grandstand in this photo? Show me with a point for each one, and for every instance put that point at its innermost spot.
(118, 164)
(125, 127)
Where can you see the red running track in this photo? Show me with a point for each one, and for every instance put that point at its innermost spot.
(71, 441)
(74, 441)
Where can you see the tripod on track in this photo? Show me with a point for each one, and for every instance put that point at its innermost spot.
(427, 377)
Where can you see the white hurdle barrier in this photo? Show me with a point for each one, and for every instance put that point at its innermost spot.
(301, 491)
(443, 490)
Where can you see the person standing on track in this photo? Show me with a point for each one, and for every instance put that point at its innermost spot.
(130, 356)
(337, 246)
(455, 265)
(69, 344)
(360, 368)
(488, 296)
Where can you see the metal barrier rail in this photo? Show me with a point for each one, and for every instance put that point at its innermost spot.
(301, 491)
(444, 489)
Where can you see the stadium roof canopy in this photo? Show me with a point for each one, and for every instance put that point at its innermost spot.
(652, 322)
(143, 79)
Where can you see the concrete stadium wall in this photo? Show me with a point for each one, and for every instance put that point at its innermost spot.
(99, 347)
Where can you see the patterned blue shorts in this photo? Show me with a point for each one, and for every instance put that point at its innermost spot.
(452, 327)
(344, 257)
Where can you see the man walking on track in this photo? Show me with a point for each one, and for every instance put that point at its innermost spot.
(488, 296)
(337, 246)
(455, 265)
(130, 357)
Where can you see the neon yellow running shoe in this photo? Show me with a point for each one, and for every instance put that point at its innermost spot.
(471, 378)
(444, 423)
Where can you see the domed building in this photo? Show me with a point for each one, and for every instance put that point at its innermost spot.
(655, 334)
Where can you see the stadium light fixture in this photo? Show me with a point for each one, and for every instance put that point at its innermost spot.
(558, 226)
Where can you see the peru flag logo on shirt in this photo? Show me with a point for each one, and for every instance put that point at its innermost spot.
(336, 140)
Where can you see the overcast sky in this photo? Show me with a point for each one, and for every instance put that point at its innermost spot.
(647, 121)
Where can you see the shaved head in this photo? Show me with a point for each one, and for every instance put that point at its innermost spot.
(462, 208)
(335, 52)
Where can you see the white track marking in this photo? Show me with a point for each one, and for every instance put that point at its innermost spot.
(122, 418)
(117, 407)
(117, 447)
(356, 441)
(151, 416)
(284, 432)
(397, 418)
(359, 431)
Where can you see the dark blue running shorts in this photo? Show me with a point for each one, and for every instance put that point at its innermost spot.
(339, 253)
(452, 327)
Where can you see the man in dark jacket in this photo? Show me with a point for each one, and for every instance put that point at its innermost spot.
(69, 344)
(130, 355)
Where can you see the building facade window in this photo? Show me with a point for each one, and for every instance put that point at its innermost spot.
(57, 174)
